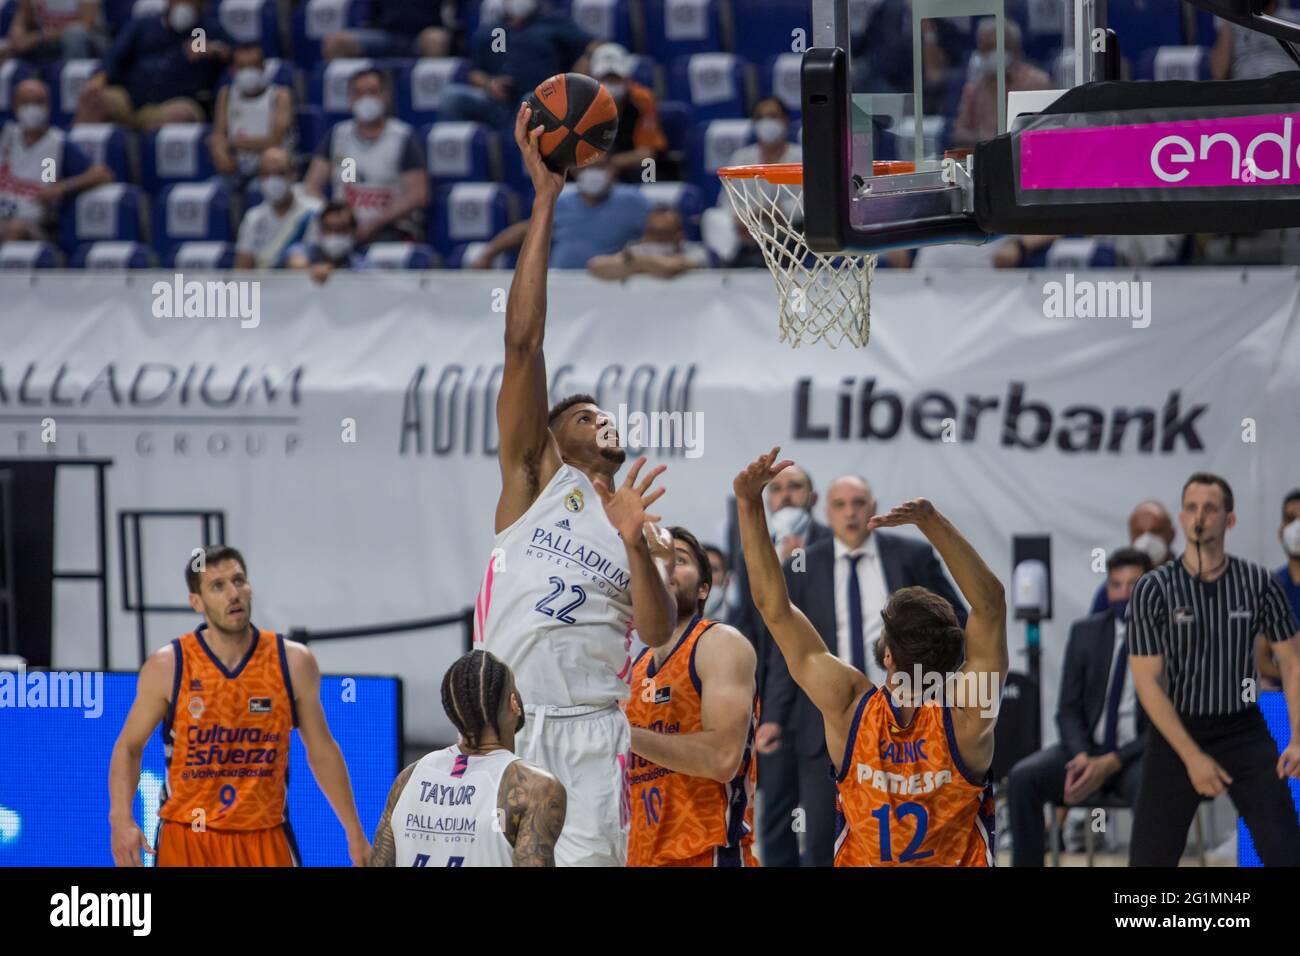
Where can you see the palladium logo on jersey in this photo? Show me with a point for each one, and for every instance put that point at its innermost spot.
(562, 549)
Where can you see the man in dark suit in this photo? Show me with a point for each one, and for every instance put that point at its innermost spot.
(790, 499)
(841, 584)
(1100, 721)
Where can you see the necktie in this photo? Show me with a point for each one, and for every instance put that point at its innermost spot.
(1117, 674)
(856, 639)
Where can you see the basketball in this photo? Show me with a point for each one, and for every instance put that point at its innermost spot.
(580, 119)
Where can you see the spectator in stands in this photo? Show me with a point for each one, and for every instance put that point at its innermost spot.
(57, 29)
(885, 65)
(598, 218)
(1243, 54)
(1289, 577)
(977, 116)
(539, 44)
(1151, 531)
(252, 115)
(663, 251)
(39, 167)
(1100, 722)
(400, 28)
(640, 136)
(374, 163)
(285, 217)
(158, 71)
(716, 605)
(335, 247)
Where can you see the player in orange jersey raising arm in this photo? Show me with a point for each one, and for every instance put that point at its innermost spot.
(228, 696)
(913, 764)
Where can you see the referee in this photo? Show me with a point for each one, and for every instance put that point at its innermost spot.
(1192, 625)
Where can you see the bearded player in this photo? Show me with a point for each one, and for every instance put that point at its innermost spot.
(913, 771)
(692, 712)
(572, 564)
(228, 696)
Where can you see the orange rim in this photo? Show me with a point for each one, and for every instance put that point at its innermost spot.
(791, 174)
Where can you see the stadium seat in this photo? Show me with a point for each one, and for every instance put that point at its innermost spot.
(646, 72)
(65, 78)
(12, 72)
(114, 146)
(458, 152)
(316, 19)
(311, 127)
(252, 21)
(116, 13)
(28, 255)
(469, 212)
(203, 255)
(328, 86)
(474, 15)
(175, 153)
(461, 255)
(675, 118)
(1142, 25)
(716, 85)
(686, 198)
(710, 146)
(143, 9)
(767, 28)
(1091, 252)
(191, 211)
(421, 84)
(111, 211)
(112, 254)
(605, 20)
(8, 10)
(1173, 63)
(400, 255)
(1042, 26)
(781, 79)
(676, 28)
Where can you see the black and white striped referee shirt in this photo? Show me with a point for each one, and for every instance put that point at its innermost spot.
(1206, 631)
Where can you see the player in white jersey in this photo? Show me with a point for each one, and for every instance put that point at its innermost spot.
(474, 803)
(574, 562)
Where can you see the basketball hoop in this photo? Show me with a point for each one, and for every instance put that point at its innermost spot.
(822, 297)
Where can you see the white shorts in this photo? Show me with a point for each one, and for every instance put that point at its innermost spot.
(587, 751)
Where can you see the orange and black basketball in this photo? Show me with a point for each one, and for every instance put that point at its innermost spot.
(579, 116)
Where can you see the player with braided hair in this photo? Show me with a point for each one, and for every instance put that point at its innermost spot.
(913, 771)
(474, 803)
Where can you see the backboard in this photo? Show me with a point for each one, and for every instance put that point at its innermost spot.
(921, 81)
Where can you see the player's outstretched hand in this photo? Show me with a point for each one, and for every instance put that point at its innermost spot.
(916, 511)
(626, 508)
(749, 484)
(128, 842)
(546, 181)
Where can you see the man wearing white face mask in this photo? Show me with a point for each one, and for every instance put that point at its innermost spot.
(286, 216)
(640, 135)
(1151, 531)
(374, 163)
(335, 246)
(158, 71)
(977, 116)
(597, 218)
(1289, 577)
(29, 200)
(252, 114)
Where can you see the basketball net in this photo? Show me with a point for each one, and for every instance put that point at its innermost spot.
(822, 298)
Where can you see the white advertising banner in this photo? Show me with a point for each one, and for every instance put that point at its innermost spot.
(346, 432)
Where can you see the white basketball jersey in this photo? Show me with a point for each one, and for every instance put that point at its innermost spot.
(556, 599)
(447, 812)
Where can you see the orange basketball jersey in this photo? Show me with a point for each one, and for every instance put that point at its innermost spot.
(905, 797)
(676, 817)
(226, 735)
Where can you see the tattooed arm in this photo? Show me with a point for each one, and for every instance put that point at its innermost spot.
(534, 803)
(384, 852)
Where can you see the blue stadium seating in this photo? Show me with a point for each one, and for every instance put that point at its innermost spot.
(29, 255)
(1142, 25)
(114, 146)
(686, 198)
(461, 152)
(461, 255)
(676, 28)
(780, 78)
(766, 28)
(675, 118)
(202, 254)
(1173, 63)
(147, 8)
(647, 72)
(252, 21)
(400, 255)
(12, 72)
(419, 86)
(606, 20)
(65, 78)
(469, 212)
(709, 146)
(8, 10)
(112, 254)
(327, 86)
(111, 211)
(716, 85)
(186, 212)
(311, 128)
(313, 20)
(1091, 252)
(175, 153)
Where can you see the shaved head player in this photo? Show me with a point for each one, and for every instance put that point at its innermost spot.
(572, 563)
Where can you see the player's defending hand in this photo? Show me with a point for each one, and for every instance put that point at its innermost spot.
(917, 511)
(546, 181)
(626, 508)
(128, 841)
(749, 484)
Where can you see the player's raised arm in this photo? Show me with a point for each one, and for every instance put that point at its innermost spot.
(832, 685)
(528, 454)
(148, 711)
(535, 805)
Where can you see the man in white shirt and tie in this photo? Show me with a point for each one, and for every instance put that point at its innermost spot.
(842, 585)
